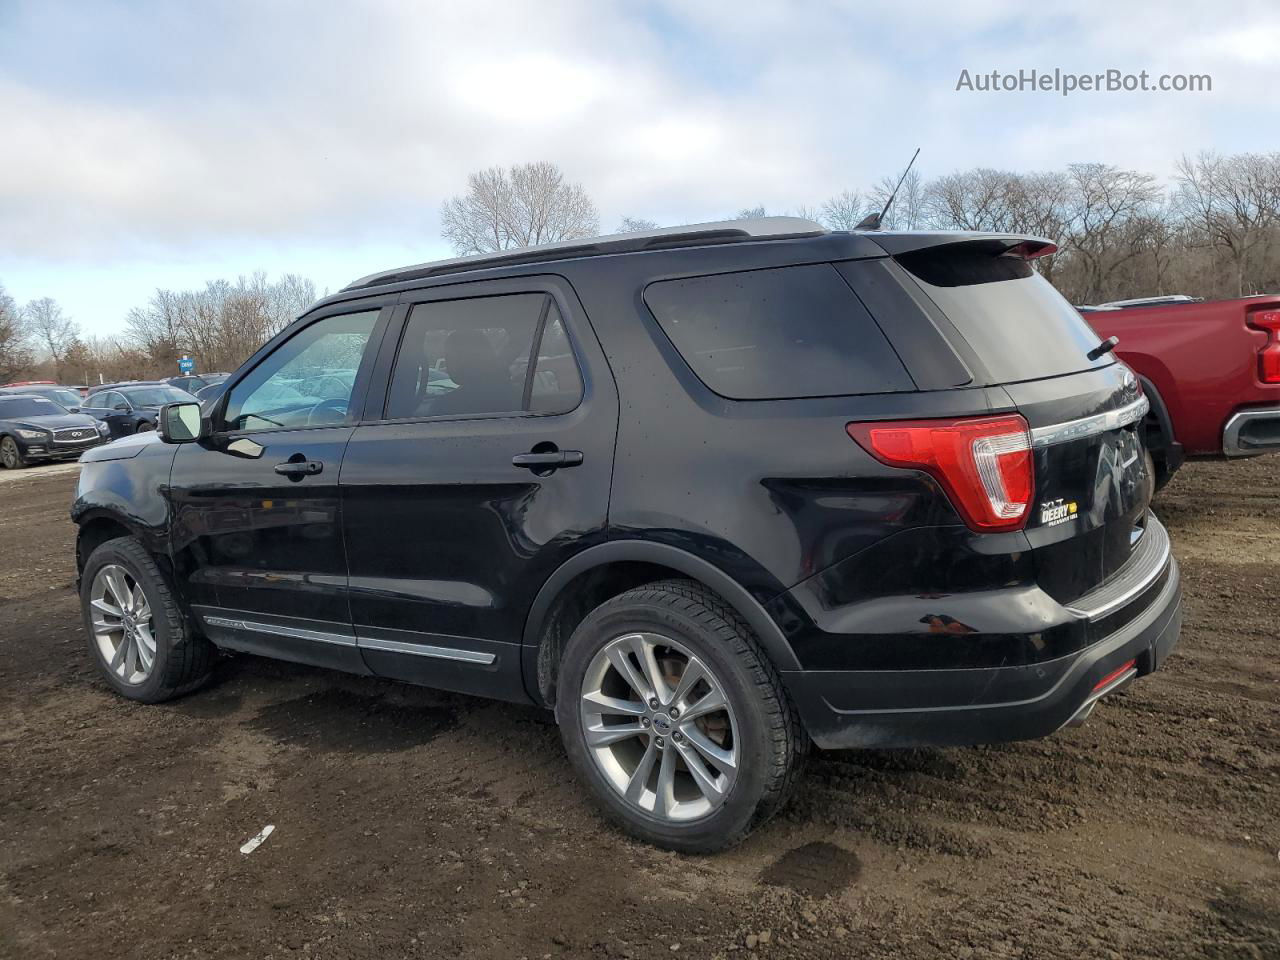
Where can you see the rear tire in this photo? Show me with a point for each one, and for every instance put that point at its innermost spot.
(753, 749)
(1159, 471)
(137, 634)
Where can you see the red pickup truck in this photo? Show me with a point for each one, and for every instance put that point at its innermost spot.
(1210, 369)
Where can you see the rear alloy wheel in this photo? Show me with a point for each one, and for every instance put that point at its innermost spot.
(675, 719)
(659, 726)
(10, 456)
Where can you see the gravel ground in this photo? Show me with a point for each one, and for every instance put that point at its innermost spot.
(410, 823)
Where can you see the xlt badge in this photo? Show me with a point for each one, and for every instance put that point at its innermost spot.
(1057, 511)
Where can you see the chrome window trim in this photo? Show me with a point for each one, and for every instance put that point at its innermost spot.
(427, 650)
(1090, 426)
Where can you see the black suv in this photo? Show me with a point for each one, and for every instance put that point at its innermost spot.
(133, 407)
(712, 493)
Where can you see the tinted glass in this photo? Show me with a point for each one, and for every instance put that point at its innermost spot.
(557, 382)
(462, 358)
(777, 334)
(307, 380)
(156, 396)
(14, 407)
(64, 398)
(1016, 322)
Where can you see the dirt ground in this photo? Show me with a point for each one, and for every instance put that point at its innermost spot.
(410, 823)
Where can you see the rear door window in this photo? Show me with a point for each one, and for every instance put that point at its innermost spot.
(484, 356)
(775, 334)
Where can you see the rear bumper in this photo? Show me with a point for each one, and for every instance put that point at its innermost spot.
(1251, 432)
(906, 708)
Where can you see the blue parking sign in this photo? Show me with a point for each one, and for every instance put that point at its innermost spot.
(186, 365)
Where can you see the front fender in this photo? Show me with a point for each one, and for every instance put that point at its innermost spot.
(132, 491)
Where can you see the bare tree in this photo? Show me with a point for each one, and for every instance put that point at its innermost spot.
(907, 211)
(51, 328)
(219, 326)
(978, 199)
(844, 211)
(15, 346)
(807, 212)
(750, 213)
(1234, 201)
(635, 225)
(1106, 211)
(528, 204)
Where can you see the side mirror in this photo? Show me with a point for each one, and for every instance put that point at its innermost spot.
(180, 423)
(122, 407)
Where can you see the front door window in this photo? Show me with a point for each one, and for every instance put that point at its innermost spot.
(307, 381)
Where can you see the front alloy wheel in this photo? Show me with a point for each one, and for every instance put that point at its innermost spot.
(122, 625)
(659, 726)
(10, 455)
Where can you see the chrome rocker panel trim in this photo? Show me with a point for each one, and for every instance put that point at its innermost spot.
(351, 640)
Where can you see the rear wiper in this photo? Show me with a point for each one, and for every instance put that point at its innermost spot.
(1102, 349)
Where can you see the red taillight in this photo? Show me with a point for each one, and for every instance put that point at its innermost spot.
(1269, 355)
(984, 465)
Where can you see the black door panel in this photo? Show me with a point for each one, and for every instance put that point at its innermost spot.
(261, 541)
(449, 533)
(257, 513)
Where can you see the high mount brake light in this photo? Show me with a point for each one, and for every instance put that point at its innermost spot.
(1031, 250)
(1269, 355)
(983, 464)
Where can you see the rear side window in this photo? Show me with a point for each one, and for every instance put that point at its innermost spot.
(485, 356)
(1020, 327)
(777, 334)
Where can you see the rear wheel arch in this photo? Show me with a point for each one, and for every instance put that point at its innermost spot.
(1159, 425)
(602, 572)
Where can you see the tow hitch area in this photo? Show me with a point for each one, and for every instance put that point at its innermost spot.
(1117, 679)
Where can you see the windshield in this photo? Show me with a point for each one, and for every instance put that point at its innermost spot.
(16, 407)
(65, 398)
(156, 396)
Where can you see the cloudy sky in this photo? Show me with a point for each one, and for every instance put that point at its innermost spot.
(152, 144)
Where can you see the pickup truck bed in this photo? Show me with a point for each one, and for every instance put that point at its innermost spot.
(1211, 371)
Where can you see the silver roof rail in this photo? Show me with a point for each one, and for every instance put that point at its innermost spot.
(691, 235)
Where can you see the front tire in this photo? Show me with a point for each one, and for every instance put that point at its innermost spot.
(675, 719)
(11, 454)
(137, 635)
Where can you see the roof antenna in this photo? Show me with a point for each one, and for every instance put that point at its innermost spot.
(872, 220)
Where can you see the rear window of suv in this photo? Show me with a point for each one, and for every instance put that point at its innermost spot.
(776, 334)
(1020, 327)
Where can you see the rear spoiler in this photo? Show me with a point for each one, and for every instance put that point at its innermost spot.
(1017, 245)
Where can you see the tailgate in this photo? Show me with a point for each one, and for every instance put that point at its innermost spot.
(1089, 513)
(1019, 337)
